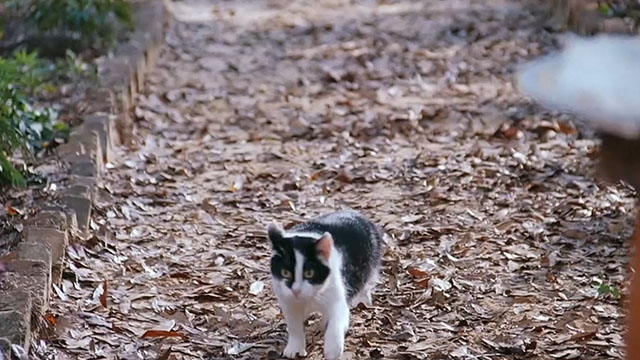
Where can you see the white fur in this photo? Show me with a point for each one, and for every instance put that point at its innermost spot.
(573, 79)
(299, 283)
(329, 299)
(301, 234)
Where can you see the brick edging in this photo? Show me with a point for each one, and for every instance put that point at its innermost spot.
(38, 261)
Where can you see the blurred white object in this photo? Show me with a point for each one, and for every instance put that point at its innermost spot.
(597, 78)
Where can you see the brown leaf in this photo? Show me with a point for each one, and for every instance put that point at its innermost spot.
(208, 206)
(51, 319)
(14, 211)
(344, 177)
(103, 296)
(417, 273)
(423, 283)
(583, 336)
(509, 132)
(162, 333)
(567, 128)
(180, 275)
(317, 174)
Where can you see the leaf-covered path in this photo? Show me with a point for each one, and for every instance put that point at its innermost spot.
(500, 243)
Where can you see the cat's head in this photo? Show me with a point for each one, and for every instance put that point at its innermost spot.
(300, 262)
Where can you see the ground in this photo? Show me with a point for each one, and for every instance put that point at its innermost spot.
(500, 242)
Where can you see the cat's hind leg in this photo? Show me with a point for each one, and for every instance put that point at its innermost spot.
(368, 290)
(365, 296)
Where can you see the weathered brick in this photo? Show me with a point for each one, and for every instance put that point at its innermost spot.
(83, 146)
(101, 124)
(71, 149)
(132, 53)
(90, 141)
(114, 72)
(56, 239)
(17, 300)
(5, 348)
(15, 327)
(151, 56)
(124, 123)
(114, 136)
(15, 316)
(32, 276)
(152, 15)
(88, 181)
(82, 208)
(26, 267)
(82, 165)
(40, 251)
(95, 148)
(78, 190)
(72, 222)
(100, 99)
(49, 219)
(72, 218)
(142, 70)
(125, 72)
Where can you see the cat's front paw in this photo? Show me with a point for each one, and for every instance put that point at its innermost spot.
(333, 349)
(294, 349)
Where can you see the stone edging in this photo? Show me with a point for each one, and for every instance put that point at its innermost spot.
(38, 261)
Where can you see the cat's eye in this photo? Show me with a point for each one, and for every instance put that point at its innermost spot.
(285, 273)
(308, 274)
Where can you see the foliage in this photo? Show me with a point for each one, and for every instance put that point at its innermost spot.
(72, 68)
(92, 23)
(90, 19)
(24, 71)
(23, 127)
(604, 290)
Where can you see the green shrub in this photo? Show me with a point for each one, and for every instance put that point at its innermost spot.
(92, 20)
(24, 128)
(76, 24)
(54, 27)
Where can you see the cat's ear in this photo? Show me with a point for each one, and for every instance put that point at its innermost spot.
(324, 245)
(274, 232)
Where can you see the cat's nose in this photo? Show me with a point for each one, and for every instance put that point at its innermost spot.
(295, 292)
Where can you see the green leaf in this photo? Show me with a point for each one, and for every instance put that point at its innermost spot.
(9, 175)
(605, 289)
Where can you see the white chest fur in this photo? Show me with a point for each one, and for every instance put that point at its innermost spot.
(329, 299)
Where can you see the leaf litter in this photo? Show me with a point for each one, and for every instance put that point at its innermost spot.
(499, 239)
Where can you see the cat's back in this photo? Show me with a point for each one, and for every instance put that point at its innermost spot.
(358, 240)
(348, 228)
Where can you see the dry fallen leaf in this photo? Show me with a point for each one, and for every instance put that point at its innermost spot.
(51, 319)
(161, 333)
(104, 295)
(417, 273)
(14, 211)
(239, 348)
(256, 288)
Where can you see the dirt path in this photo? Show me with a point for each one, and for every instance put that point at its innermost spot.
(498, 237)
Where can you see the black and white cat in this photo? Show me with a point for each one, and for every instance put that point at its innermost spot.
(324, 265)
